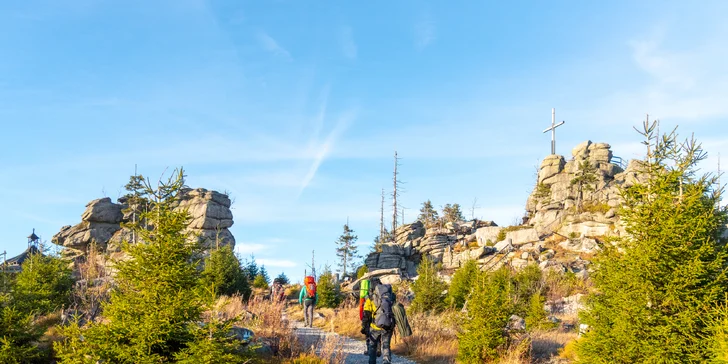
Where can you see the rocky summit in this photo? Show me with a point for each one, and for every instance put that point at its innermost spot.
(570, 199)
(572, 208)
(102, 223)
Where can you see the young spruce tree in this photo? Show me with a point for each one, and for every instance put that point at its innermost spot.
(655, 284)
(223, 273)
(157, 302)
(43, 286)
(483, 336)
(428, 288)
(462, 283)
(329, 292)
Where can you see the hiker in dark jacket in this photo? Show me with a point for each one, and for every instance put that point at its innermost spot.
(376, 336)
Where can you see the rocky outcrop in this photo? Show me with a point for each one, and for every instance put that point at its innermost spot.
(571, 198)
(573, 206)
(448, 245)
(102, 223)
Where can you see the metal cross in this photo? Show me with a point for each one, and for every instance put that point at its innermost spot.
(553, 130)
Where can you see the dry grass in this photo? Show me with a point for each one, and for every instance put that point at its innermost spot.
(331, 349)
(518, 353)
(548, 344)
(433, 340)
(271, 328)
(306, 359)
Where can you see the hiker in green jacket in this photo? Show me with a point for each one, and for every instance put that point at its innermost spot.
(308, 299)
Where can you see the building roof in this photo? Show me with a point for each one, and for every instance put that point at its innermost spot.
(20, 258)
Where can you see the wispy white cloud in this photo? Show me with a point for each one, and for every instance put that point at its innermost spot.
(321, 115)
(325, 148)
(271, 45)
(348, 46)
(277, 263)
(685, 83)
(425, 30)
(249, 248)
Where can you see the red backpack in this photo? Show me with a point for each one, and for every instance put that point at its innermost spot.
(310, 284)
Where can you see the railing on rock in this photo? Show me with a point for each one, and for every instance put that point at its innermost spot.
(619, 161)
(504, 251)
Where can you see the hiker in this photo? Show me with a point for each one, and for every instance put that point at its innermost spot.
(378, 320)
(277, 292)
(308, 299)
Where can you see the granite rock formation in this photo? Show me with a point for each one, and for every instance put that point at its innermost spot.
(102, 223)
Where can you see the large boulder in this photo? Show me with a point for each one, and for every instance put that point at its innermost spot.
(580, 151)
(487, 234)
(580, 245)
(85, 234)
(551, 165)
(102, 210)
(522, 236)
(101, 223)
(503, 246)
(587, 228)
(410, 232)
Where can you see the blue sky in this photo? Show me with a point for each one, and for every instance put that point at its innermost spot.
(296, 108)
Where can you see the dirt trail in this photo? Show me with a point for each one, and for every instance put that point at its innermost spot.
(353, 349)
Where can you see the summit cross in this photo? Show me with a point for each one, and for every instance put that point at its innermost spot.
(553, 130)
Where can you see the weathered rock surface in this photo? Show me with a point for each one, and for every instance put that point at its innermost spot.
(101, 222)
(520, 237)
(581, 245)
(567, 305)
(558, 208)
(559, 204)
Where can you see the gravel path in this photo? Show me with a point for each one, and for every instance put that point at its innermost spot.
(353, 349)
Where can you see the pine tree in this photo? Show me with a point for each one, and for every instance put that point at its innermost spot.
(655, 285)
(264, 274)
(251, 268)
(17, 335)
(452, 213)
(536, 317)
(490, 306)
(223, 272)
(428, 214)
(260, 282)
(462, 282)
(362, 271)
(282, 279)
(584, 180)
(329, 292)
(157, 302)
(428, 288)
(43, 286)
(347, 250)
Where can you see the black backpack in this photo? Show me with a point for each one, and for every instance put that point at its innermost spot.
(383, 301)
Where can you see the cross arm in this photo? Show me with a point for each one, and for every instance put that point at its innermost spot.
(554, 126)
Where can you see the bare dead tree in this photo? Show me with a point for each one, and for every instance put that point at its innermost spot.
(395, 194)
(381, 218)
(473, 207)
